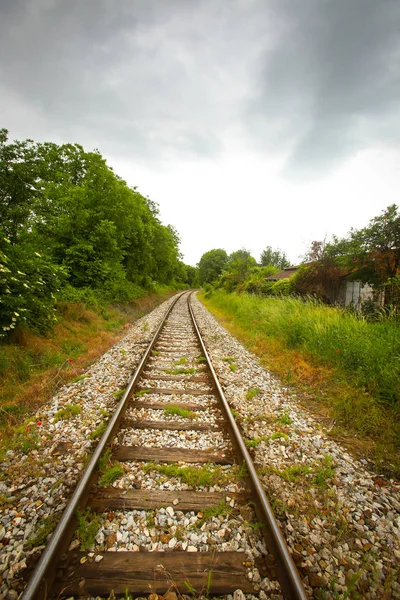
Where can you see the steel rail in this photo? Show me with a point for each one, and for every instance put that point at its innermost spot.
(40, 574)
(288, 576)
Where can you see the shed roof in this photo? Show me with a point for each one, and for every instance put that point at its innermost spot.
(285, 274)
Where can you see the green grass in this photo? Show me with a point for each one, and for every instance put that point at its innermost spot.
(254, 442)
(205, 476)
(252, 393)
(181, 361)
(222, 510)
(42, 532)
(233, 367)
(87, 528)
(350, 365)
(367, 353)
(201, 360)
(98, 432)
(69, 410)
(284, 419)
(180, 412)
(110, 474)
(180, 371)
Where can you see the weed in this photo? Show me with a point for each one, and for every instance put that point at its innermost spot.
(145, 326)
(111, 474)
(253, 443)
(222, 510)
(104, 412)
(205, 476)
(324, 471)
(123, 351)
(180, 412)
(228, 359)
(180, 371)
(104, 460)
(69, 410)
(181, 361)
(87, 528)
(277, 435)
(26, 439)
(252, 393)
(201, 359)
(42, 532)
(190, 588)
(119, 393)
(142, 392)
(293, 473)
(284, 419)
(235, 413)
(233, 367)
(155, 352)
(150, 518)
(79, 378)
(98, 432)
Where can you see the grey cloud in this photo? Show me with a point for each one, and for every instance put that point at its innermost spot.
(330, 85)
(151, 80)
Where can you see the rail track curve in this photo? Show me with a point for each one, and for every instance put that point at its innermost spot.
(186, 511)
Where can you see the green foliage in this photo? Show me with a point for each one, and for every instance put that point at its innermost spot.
(98, 432)
(252, 393)
(73, 230)
(274, 258)
(205, 476)
(180, 371)
(364, 353)
(110, 474)
(87, 528)
(211, 265)
(180, 412)
(284, 419)
(69, 410)
(42, 532)
(238, 268)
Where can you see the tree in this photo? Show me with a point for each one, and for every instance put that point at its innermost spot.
(274, 258)
(239, 266)
(211, 265)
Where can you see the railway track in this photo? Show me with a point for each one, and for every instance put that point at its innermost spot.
(170, 500)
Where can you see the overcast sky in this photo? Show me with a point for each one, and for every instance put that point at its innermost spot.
(250, 122)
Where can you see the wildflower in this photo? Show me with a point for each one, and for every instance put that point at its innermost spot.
(70, 360)
(39, 423)
(297, 316)
(37, 254)
(291, 322)
(337, 351)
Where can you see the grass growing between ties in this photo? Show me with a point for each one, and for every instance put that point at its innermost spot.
(87, 528)
(109, 470)
(180, 371)
(180, 412)
(344, 369)
(205, 476)
(33, 367)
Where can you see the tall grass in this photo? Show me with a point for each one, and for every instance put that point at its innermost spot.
(366, 354)
(351, 364)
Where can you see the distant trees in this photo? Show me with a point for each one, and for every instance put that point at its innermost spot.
(67, 221)
(274, 258)
(211, 265)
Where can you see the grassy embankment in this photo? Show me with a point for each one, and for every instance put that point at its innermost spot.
(33, 367)
(343, 368)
